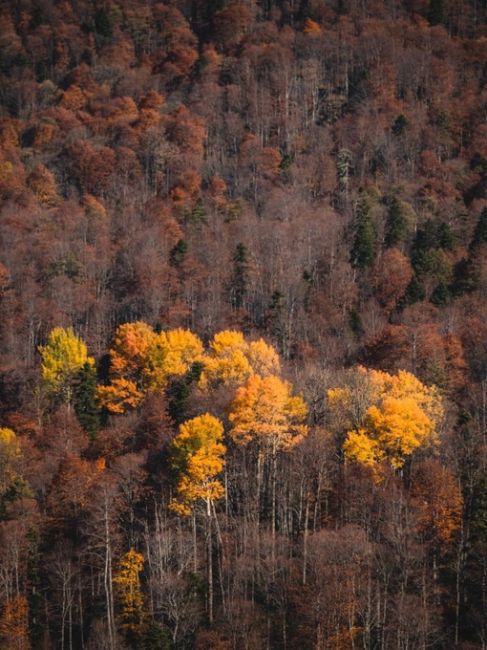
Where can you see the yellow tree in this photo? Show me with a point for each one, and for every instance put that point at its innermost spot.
(142, 360)
(118, 396)
(265, 413)
(172, 354)
(398, 415)
(198, 458)
(127, 581)
(9, 457)
(62, 357)
(232, 360)
(130, 346)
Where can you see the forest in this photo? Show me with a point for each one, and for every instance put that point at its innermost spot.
(243, 333)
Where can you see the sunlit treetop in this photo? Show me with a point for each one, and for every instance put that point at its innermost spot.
(63, 356)
(130, 347)
(171, 354)
(265, 410)
(197, 457)
(232, 360)
(143, 361)
(9, 455)
(388, 416)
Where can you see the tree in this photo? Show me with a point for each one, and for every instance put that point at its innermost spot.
(9, 458)
(264, 411)
(63, 357)
(265, 415)
(362, 255)
(85, 399)
(143, 361)
(14, 628)
(232, 360)
(400, 415)
(172, 354)
(127, 580)
(438, 502)
(239, 280)
(396, 224)
(197, 459)
(120, 395)
(129, 349)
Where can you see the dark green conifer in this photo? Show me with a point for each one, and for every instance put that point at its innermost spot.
(362, 255)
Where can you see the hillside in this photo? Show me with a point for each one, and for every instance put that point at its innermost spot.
(243, 344)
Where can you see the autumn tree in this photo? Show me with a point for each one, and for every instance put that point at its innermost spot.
(197, 458)
(400, 415)
(14, 625)
(267, 416)
(232, 360)
(63, 356)
(438, 502)
(9, 459)
(127, 581)
(142, 361)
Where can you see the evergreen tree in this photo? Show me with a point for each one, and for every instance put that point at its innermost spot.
(396, 224)
(400, 124)
(362, 255)
(441, 295)
(415, 292)
(84, 399)
(446, 238)
(436, 13)
(178, 253)
(480, 234)
(240, 276)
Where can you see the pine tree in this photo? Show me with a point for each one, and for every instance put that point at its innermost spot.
(480, 234)
(436, 12)
(85, 399)
(396, 224)
(240, 276)
(362, 255)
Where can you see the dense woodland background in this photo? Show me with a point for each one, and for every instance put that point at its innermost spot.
(313, 173)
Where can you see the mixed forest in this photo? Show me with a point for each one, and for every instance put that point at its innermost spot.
(243, 333)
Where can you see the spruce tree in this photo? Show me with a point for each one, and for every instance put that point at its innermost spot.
(84, 400)
(240, 276)
(396, 224)
(480, 234)
(362, 255)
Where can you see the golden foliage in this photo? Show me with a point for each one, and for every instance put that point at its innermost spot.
(232, 360)
(390, 416)
(129, 349)
(265, 410)
(120, 395)
(62, 357)
(198, 457)
(172, 353)
(127, 581)
(9, 455)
